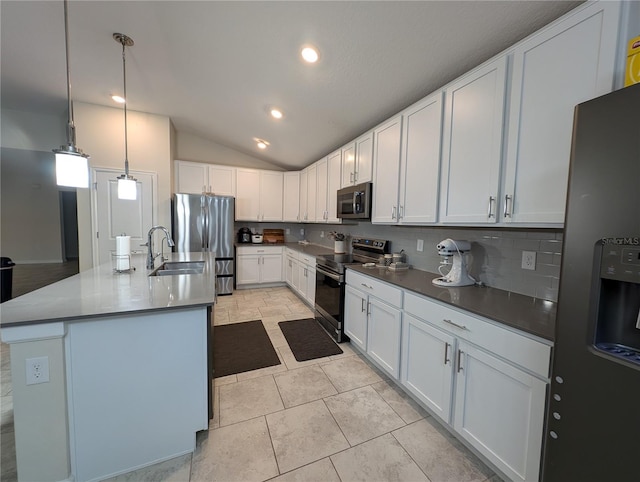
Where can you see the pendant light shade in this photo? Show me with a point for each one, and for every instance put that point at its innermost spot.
(127, 185)
(72, 165)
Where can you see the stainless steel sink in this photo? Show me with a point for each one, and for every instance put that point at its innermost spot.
(171, 268)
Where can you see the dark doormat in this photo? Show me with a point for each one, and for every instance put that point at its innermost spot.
(308, 340)
(241, 347)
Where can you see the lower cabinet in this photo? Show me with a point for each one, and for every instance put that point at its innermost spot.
(485, 381)
(300, 275)
(257, 265)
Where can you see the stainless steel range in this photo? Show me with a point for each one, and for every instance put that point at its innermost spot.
(330, 282)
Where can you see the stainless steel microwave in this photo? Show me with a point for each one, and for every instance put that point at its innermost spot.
(354, 202)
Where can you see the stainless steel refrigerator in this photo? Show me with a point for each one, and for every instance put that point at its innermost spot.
(205, 223)
(593, 416)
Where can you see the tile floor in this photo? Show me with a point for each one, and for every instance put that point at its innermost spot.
(331, 419)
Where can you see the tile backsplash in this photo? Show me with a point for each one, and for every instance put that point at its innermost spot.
(495, 258)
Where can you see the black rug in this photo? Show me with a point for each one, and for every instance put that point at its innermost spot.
(241, 347)
(308, 340)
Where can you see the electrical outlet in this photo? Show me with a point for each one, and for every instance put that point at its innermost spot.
(287, 231)
(322, 234)
(420, 246)
(37, 370)
(301, 231)
(529, 260)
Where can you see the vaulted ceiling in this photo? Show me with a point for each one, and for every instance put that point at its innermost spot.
(215, 68)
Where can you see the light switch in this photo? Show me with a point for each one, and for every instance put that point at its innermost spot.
(420, 246)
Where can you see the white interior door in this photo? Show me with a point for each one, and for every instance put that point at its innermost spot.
(113, 216)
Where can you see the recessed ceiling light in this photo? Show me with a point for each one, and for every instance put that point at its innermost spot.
(309, 54)
(118, 99)
(276, 113)
(261, 143)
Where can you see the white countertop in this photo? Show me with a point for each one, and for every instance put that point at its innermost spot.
(102, 292)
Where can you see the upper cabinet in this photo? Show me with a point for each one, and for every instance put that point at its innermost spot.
(322, 180)
(334, 176)
(388, 137)
(196, 178)
(259, 195)
(472, 144)
(357, 161)
(569, 63)
(291, 204)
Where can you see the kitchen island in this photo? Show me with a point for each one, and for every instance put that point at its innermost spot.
(120, 362)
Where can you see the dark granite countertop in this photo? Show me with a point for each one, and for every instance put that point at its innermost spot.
(527, 314)
(310, 249)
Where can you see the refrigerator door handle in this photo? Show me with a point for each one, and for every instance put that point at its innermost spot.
(205, 224)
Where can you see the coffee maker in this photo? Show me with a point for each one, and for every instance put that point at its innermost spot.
(244, 235)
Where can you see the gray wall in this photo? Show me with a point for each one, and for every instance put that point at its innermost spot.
(495, 259)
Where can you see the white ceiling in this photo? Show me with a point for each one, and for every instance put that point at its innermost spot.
(215, 67)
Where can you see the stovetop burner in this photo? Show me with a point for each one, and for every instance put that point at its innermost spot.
(364, 251)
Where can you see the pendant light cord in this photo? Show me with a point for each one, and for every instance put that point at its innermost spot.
(71, 128)
(124, 76)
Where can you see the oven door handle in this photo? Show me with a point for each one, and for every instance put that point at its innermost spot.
(333, 276)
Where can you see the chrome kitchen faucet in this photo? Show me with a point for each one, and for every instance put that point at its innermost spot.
(150, 256)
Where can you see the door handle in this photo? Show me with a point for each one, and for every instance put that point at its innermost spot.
(462, 327)
(507, 211)
(393, 212)
(362, 305)
(460, 361)
(491, 201)
(446, 353)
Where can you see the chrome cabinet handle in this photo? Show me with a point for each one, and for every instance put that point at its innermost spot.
(400, 212)
(362, 305)
(446, 353)
(367, 286)
(355, 176)
(393, 212)
(368, 309)
(462, 327)
(507, 211)
(351, 177)
(460, 361)
(492, 199)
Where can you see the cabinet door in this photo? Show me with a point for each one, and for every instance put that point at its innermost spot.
(499, 409)
(191, 177)
(312, 189)
(420, 166)
(222, 180)
(383, 335)
(544, 92)
(427, 364)
(288, 271)
(291, 203)
(348, 164)
(355, 316)
(322, 183)
(248, 269)
(334, 176)
(271, 268)
(311, 285)
(472, 144)
(364, 159)
(295, 275)
(387, 171)
(303, 282)
(248, 195)
(271, 187)
(304, 195)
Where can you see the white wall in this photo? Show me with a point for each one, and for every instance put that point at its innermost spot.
(190, 147)
(100, 133)
(33, 132)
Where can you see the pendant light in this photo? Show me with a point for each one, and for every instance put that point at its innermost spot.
(72, 165)
(127, 185)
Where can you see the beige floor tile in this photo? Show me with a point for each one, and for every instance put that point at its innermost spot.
(290, 360)
(271, 322)
(277, 338)
(218, 382)
(244, 315)
(248, 399)
(6, 413)
(5, 383)
(380, 459)
(349, 373)
(362, 414)
(274, 310)
(8, 467)
(439, 455)
(401, 403)
(241, 452)
(215, 421)
(303, 385)
(220, 317)
(347, 350)
(320, 471)
(304, 434)
(174, 470)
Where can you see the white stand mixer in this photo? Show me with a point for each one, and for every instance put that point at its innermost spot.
(452, 251)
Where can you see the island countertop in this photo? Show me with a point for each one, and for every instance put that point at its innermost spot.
(101, 292)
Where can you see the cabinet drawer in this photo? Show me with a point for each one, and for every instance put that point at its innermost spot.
(379, 289)
(519, 349)
(260, 249)
(307, 259)
(292, 254)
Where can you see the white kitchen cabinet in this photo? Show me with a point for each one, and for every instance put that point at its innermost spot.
(291, 201)
(322, 185)
(292, 272)
(499, 409)
(196, 178)
(355, 316)
(306, 281)
(259, 195)
(312, 190)
(374, 324)
(561, 66)
(304, 195)
(428, 364)
(387, 140)
(258, 264)
(357, 161)
(472, 145)
(420, 161)
(334, 176)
